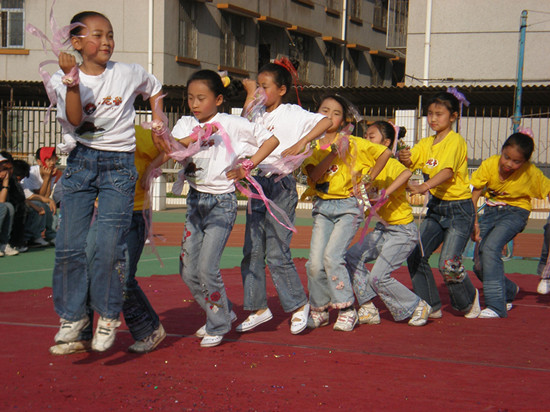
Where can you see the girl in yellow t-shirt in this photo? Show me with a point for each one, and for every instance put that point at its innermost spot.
(389, 244)
(450, 216)
(336, 215)
(509, 181)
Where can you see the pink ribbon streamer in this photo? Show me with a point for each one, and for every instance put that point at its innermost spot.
(60, 40)
(526, 131)
(396, 130)
(148, 212)
(257, 106)
(372, 213)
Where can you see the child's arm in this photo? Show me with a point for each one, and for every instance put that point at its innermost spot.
(47, 200)
(404, 156)
(321, 127)
(398, 182)
(440, 177)
(73, 104)
(38, 209)
(157, 107)
(316, 172)
(265, 149)
(476, 194)
(380, 163)
(250, 86)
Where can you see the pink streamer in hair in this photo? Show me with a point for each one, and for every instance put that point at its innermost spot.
(461, 100)
(526, 131)
(396, 138)
(60, 40)
(284, 62)
(257, 106)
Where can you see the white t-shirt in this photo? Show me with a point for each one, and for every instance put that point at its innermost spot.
(33, 183)
(289, 123)
(108, 105)
(205, 171)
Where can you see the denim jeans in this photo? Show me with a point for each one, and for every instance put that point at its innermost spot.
(267, 241)
(210, 218)
(140, 317)
(335, 222)
(545, 246)
(390, 246)
(497, 226)
(111, 178)
(37, 223)
(6, 221)
(450, 223)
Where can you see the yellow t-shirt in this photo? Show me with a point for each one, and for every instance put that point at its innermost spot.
(336, 182)
(526, 182)
(450, 153)
(145, 153)
(396, 211)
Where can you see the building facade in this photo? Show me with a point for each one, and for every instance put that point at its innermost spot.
(336, 42)
(476, 42)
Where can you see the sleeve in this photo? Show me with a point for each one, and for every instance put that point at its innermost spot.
(305, 119)
(480, 177)
(418, 155)
(182, 128)
(541, 184)
(455, 153)
(147, 84)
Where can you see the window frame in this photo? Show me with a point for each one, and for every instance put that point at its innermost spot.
(6, 35)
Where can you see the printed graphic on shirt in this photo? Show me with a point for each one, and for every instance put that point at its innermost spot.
(93, 127)
(496, 193)
(431, 163)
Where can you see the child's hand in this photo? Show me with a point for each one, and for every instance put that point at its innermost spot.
(236, 174)
(415, 189)
(294, 149)
(40, 210)
(66, 62)
(250, 86)
(404, 156)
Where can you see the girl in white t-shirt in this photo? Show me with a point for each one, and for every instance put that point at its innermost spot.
(95, 108)
(267, 241)
(211, 202)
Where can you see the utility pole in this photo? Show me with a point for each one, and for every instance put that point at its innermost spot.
(519, 79)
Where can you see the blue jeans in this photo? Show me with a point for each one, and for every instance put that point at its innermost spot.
(266, 241)
(335, 222)
(6, 222)
(497, 226)
(140, 317)
(390, 246)
(111, 178)
(36, 223)
(545, 246)
(450, 223)
(210, 219)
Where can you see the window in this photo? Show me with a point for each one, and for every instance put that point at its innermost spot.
(233, 39)
(332, 58)
(355, 9)
(378, 70)
(379, 20)
(12, 15)
(298, 53)
(187, 30)
(353, 68)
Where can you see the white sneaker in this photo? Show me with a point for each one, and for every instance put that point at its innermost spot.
(317, 319)
(488, 313)
(209, 341)
(436, 314)
(8, 250)
(39, 242)
(22, 249)
(105, 334)
(150, 342)
(347, 319)
(421, 314)
(254, 320)
(544, 287)
(69, 330)
(71, 347)
(475, 310)
(299, 320)
(201, 332)
(368, 313)
(509, 306)
(1, 253)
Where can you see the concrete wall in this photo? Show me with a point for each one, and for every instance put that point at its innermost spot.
(476, 41)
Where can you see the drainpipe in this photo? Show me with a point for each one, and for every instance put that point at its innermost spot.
(150, 45)
(344, 31)
(519, 80)
(427, 36)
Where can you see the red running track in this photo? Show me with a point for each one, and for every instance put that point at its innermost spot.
(450, 364)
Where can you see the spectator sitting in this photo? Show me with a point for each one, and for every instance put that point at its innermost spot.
(16, 196)
(6, 208)
(39, 187)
